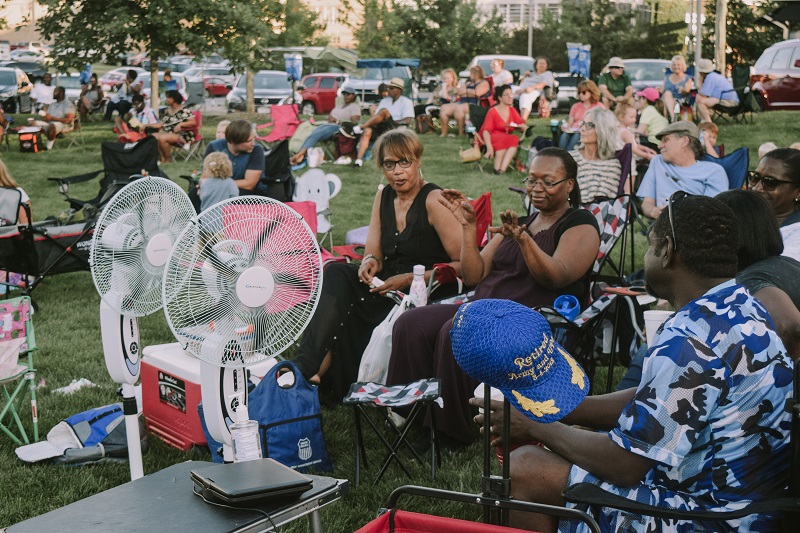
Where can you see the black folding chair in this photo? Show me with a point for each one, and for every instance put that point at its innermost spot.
(122, 162)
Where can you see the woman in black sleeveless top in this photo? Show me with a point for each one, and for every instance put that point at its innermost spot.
(531, 262)
(408, 226)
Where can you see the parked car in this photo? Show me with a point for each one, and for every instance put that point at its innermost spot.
(214, 87)
(646, 73)
(145, 78)
(775, 78)
(33, 69)
(198, 73)
(111, 80)
(319, 96)
(71, 84)
(271, 87)
(429, 81)
(163, 64)
(23, 54)
(15, 90)
(5, 51)
(567, 89)
(516, 65)
(135, 58)
(366, 81)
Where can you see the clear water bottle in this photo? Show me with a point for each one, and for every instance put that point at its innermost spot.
(419, 291)
(469, 127)
(677, 110)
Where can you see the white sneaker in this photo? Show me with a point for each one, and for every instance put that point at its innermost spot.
(358, 131)
(359, 163)
(344, 160)
(49, 145)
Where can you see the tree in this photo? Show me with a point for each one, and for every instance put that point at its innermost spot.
(747, 33)
(441, 33)
(82, 29)
(612, 31)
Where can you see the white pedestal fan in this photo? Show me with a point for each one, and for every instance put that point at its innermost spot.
(240, 286)
(131, 243)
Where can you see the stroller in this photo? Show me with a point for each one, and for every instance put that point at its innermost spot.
(57, 245)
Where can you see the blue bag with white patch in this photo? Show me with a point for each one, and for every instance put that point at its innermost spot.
(290, 419)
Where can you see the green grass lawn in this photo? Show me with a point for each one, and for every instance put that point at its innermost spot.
(68, 333)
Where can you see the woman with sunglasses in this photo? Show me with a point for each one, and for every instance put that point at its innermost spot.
(598, 170)
(530, 261)
(588, 98)
(777, 178)
(496, 131)
(408, 226)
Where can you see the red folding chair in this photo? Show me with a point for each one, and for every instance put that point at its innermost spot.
(285, 120)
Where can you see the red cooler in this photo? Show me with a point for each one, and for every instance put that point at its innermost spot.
(170, 394)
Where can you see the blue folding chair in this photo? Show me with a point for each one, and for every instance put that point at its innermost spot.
(735, 164)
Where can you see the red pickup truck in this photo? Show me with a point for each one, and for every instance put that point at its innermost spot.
(319, 95)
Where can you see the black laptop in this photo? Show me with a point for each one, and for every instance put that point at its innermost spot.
(250, 482)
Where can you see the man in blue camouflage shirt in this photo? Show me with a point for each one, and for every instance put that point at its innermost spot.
(707, 427)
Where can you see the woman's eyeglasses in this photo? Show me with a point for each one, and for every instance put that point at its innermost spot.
(389, 165)
(547, 184)
(674, 197)
(587, 125)
(768, 183)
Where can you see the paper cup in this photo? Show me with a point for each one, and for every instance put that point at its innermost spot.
(652, 320)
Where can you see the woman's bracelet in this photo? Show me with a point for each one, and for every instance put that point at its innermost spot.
(371, 256)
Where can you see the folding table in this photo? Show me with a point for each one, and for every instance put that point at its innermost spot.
(165, 500)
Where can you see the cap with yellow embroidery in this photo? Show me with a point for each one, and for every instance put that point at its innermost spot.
(510, 347)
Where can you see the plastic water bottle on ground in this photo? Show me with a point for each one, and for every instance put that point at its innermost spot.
(419, 291)
(469, 127)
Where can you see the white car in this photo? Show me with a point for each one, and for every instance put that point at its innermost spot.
(71, 84)
(22, 54)
(200, 73)
(144, 78)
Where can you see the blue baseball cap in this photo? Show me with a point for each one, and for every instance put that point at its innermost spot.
(511, 347)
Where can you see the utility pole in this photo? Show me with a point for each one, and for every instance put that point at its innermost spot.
(530, 27)
(721, 38)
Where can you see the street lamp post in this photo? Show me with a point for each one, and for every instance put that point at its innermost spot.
(530, 27)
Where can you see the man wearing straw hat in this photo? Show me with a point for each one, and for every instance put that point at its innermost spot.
(705, 430)
(393, 111)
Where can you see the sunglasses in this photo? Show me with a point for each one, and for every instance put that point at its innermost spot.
(583, 92)
(768, 183)
(390, 165)
(674, 197)
(547, 184)
(587, 125)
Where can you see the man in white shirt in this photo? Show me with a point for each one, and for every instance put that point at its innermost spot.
(42, 93)
(59, 118)
(393, 111)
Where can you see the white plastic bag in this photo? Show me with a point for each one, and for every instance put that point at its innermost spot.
(375, 361)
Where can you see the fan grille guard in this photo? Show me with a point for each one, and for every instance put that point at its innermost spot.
(242, 282)
(132, 240)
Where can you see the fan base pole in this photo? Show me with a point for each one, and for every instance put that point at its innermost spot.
(131, 413)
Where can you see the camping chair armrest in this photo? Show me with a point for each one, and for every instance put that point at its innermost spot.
(594, 495)
(734, 92)
(76, 179)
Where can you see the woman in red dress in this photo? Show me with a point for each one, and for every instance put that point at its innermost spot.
(496, 131)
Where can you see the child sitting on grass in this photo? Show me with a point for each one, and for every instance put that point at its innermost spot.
(216, 184)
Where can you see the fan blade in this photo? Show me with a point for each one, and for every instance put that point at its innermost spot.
(262, 238)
